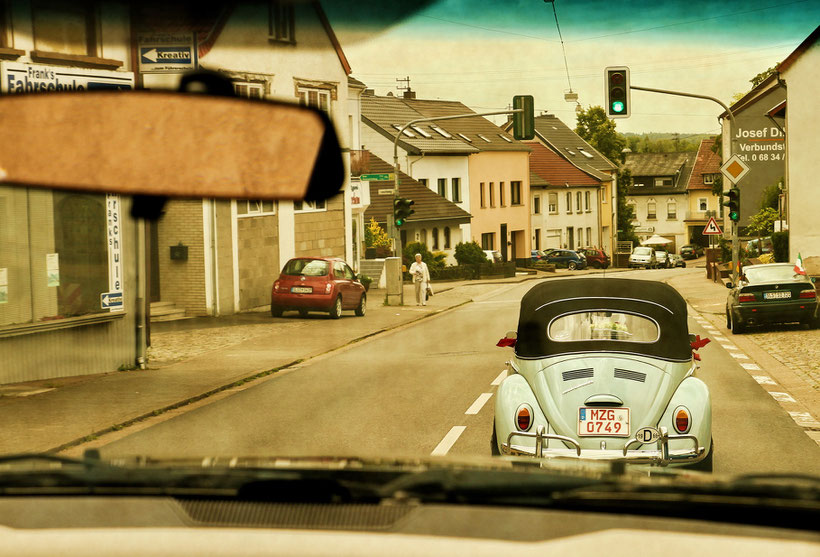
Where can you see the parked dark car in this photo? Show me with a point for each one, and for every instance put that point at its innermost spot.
(566, 258)
(597, 258)
(771, 293)
(536, 255)
(691, 251)
(317, 284)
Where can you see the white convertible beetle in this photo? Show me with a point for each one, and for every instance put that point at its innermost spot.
(604, 370)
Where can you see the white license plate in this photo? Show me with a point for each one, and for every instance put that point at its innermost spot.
(781, 295)
(301, 289)
(603, 422)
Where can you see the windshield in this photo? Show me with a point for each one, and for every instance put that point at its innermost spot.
(200, 333)
(603, 325)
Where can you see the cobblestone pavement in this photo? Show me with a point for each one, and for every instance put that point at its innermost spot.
(794, 347)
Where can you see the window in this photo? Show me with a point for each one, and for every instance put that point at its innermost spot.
(603, 325)
(553, 203)
(465, 138)
(488, 240)
(589, 236)
(515, 193)
(405, 131)
(442, 187)
(339, 270)
(580, 234)
(536, 205)
(309, 206)
(586, 154)
(569, 202)
(505, 138)
(306, 268)
(254, 208)
(423, 182)
(422, 236)
(421, 132)
(481, 194)
(435, 238)
(317, 98)
(500, 194)
(663, 182)
(484, 138)
(703, 204)
(492, 195)
(708, 178)
(537, 238)
(586, 202)
(455, 185)
(671, 210)
(249, 90)
(280, 21)
(441, 132)
(446, 237)
(651, 210)
(66, 28)
(578, 202)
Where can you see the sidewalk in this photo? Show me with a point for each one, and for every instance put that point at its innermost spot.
(197, 358)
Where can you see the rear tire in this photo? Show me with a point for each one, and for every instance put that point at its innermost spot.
(494, 443)
(336, 308)
(362, 308)
(737, 328)
(597, 264)
(275, 311)
(572, 265)
(707, 463)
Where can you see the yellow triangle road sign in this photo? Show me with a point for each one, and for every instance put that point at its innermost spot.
(712, 228)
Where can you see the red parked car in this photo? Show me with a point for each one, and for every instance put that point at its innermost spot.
(596, 257)
(317, 284)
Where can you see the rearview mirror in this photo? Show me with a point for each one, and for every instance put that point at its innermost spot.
(163, 143)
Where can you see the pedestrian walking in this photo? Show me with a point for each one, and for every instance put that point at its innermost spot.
(421, 279)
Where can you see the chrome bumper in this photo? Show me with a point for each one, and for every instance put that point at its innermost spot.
(662, 456)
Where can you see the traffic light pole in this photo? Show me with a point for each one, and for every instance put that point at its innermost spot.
(735, 240)
(397, 232)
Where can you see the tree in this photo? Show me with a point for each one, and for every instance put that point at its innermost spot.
(761, 77)
(771, 196)
(762, 223)
(469, 253)
(626, 232)
(375, 236)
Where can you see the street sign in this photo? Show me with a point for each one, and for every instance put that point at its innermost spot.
(111, 300)
(167, 52)
(378, 177)
(387, 191)
(734, 169)
(712, 228)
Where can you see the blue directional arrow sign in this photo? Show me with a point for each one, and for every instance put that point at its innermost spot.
(167, 52)
(111, 300)
(167, 55)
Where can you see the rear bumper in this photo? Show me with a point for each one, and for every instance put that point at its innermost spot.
(287, 300)
(662, 456)
(781, 312)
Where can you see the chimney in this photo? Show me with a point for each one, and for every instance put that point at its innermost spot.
(408, 94)
(369, 93)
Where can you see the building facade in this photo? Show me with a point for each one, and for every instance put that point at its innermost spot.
(703, 203)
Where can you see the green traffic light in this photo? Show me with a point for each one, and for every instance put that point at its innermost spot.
(399, 222)
(734, 216)
(617, 106)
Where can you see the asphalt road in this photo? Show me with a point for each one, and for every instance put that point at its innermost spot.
(429, 387)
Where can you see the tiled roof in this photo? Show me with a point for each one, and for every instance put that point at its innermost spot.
(428, 205)
(707, 162)
(384, 113)
(481, 134)
(353, 81)
(564, 140)
(676, 165)
(556, 170)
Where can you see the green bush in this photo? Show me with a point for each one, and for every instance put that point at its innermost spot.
(468, 253)
(780, 246)
(435, 261)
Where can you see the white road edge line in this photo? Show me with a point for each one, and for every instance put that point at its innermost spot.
(449, 440)
(479, 403)
(500, 378)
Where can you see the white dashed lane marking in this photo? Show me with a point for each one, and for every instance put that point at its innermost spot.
(479, 403)
(764, 380)
(739, 355)
(449, 440)
(781, 397)
(500, 378)
(804, 419)
(751, 367)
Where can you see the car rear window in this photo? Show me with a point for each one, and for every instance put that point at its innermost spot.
(603, 325)
(642, 251)
(306, 267)
(771, 273)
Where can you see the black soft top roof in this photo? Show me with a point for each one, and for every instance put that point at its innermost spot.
(656, 300)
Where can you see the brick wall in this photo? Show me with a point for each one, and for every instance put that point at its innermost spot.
(183, 282)
(322, 233)
(259, 264)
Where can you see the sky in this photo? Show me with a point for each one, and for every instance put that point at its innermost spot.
(482, 52)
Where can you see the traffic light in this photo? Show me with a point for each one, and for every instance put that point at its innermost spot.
(733, 203)
(616, 88)
(524, 122)
(402, 210)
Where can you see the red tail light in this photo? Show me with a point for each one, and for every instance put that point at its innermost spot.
(523, 417)
(682, 420)
(810, 294)
(276, 285)
(328, 287)
(746, 298)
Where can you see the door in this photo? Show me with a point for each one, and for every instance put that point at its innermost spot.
(514, 246)
(342, 283)
(503, 242)
(570, 238)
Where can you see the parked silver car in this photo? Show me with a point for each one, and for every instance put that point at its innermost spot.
(643, 256)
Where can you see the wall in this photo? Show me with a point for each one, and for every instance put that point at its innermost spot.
(672, 229)
(321, 233)
(259, 262)
(183, 282)
(548, 222)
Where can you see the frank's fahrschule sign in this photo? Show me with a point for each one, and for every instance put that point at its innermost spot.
(33, 78)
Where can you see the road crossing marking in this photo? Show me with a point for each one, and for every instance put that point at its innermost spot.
(764, 380)
(728, 346)
(751, 367)
(719, 338)
(479, 403)
(804, 419)
(500, 378)
(449, 440)
(781, 397)
(739, 355)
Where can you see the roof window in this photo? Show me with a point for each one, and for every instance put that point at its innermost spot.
(465, 138)
(440, 131)
(570, 151)
(421, 132)
(505, 138)
(406, 132)
(587, 155)
(484, 138)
